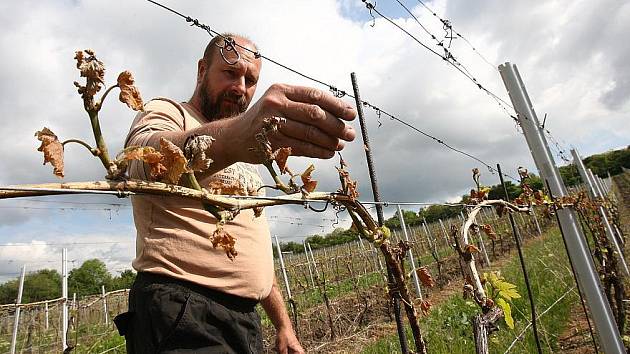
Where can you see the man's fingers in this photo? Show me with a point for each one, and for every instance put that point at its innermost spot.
(326, 101)
(311, 134)
(300, 147)
(314, 115)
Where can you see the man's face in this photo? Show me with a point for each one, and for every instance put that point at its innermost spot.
(227, 89)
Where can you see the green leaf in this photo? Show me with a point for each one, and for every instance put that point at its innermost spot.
(507, 312)
(506, 290)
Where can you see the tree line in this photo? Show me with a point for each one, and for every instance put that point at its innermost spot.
(45, 284)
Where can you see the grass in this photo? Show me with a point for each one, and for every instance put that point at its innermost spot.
(448, 329)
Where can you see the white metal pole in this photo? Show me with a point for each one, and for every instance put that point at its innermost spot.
(576, 242)
(106, 315)
(46, 315)
(16, 319)
(284, 271)
(536, 221)
(310, 250)
(598, 184)
(428, 233)
(444, 233)
(409, 252)
(601, 193)
(308, 261)
(64, 295)
(594, 192)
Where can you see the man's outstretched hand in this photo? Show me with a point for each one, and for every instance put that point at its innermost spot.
(313, 123)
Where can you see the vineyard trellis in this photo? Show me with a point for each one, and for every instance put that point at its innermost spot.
(467, 240)
(335, 270)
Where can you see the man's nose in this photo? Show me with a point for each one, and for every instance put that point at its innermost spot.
(238, 86)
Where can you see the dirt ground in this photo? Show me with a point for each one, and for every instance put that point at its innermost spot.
(577, 338)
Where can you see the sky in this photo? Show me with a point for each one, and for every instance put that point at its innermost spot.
(572, 56)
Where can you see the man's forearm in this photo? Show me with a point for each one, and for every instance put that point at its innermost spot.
(224, 151)
(275, 309)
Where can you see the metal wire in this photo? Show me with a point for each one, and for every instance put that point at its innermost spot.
(341, 93)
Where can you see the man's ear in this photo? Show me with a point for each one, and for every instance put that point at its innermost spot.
(201, 70)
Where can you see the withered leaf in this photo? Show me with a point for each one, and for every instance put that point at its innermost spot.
(348, 186)
(309, 184)
(425, 277)
(539, 197)
(487, 229)
(196, 152)
(94, 72)
(471, 249)
(149, 155)
(52, 149)
(174, 161)
(224, 240)
(258, 211)
(282, 155)
(425, 306)
(129, 94)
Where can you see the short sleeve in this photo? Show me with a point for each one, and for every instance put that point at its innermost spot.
(160, 115)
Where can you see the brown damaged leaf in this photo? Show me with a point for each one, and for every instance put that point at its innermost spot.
(148, 155)
(487, 229)
(425, 277)
(258, 211)
(197, 151)
(425, 306)
(282, 155)
(52, 149)
(94, 72)
(348, 186)
(471, 249)
(224, 240)
(174, 161)
(309, 184)
(129, 94)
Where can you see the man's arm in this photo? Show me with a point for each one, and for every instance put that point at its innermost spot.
(313, 127)
(286, 341)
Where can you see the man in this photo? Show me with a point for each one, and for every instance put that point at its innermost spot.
(188, 296)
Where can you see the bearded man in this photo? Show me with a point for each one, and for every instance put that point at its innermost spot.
(188, 295)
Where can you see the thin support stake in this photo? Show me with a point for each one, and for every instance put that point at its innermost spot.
(379, 207)
(410, 253)
(64, 295)
(106, 315)
(523, 267)
(16, 320)
(308, 261)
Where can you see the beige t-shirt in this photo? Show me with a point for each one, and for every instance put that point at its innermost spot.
(173, 233)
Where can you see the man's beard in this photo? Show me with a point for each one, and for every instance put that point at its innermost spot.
(215, 110)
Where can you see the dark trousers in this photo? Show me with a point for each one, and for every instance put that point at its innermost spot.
(167, 315)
